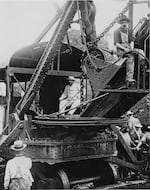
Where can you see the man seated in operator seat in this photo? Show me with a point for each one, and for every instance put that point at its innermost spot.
(70, 97)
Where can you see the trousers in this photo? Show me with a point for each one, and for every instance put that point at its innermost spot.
(66, 103)
(19, 184)
(130, 67)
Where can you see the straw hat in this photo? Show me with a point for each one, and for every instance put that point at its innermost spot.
(71, 78)
(18, 145)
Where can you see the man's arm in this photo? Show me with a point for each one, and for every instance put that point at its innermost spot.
(130, 125)
(118, 42)
(123, 47)
(64, 94)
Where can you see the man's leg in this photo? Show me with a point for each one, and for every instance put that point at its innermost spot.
(62, 105)
(83, 5)
(75, 103)
(92, 13)
(130, 68)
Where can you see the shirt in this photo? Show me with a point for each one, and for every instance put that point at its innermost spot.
(72, 92)
(122, 36)
(132, 121)
(18, 167)
(131, 124)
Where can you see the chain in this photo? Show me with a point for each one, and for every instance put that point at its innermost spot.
(84, 42)
(107, 29)
(82, 87)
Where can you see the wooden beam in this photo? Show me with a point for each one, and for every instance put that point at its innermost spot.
(125, 90)
(126, 164)
(52, 123)
(19, 70)
(65, 73)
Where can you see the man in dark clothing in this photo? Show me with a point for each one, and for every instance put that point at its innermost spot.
(88, 13)
(123, 41)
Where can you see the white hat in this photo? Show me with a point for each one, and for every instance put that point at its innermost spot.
(18, 145)
(71, 78)
(129, 113)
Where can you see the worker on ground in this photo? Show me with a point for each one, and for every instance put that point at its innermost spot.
(126, 136)
(123, 42)
(70, 97)
(124, 130)
(17, 173)
(135, 132)
(131, 120)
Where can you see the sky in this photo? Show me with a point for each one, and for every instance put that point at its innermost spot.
(22, 21)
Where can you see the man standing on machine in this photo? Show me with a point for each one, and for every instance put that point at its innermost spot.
(124, 44)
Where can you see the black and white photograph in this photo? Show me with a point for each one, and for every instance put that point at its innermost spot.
(74, 94)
